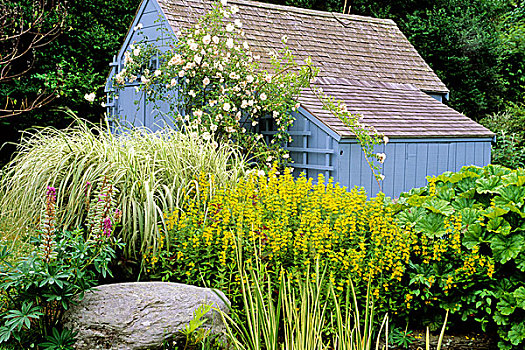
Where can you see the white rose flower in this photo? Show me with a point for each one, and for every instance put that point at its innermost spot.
(381, 177)
(381, 157)
(157, 72)
(246, 46)
(224, 2)
(229, 43)
(230, 27)
(234, 9)
(385, 139)
(175, 60)
(226, 106)
(173, 82)
(263, 97)
(238, 23)
(206, 39)
(197, 59)
(136, 51)
(206, 136)
(144, 80)
(286, 156)
(138, 27)
(213, 127)
(249, 79)
(284, 39)
(215, 39)
(192, 93)
(90, 97)
(181, 73)
(206, 81)
(254, 123)
(197, 113)
(193, 45)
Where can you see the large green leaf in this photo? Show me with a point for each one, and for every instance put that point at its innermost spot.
(488, 185)
(473, 236)
(506, 305)
(432, 225)
(445, 193)
(460, 203)
(515, 178)
(511, 194)
(499, 225)
(451, 177)
(494, 212)
(496, 170)
(519, 295)
(438, 206)
(517, 333)
(468, 183)
(409, 217)
(505, 248)
(469, 216)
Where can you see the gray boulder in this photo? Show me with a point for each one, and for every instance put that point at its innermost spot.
(140, 315)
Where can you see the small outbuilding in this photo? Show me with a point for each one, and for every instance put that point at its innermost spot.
(365, 62)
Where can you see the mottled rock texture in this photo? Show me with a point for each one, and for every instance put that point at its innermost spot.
(139, 315)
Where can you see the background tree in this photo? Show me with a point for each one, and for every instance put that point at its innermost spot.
(75, 63)
(25, 28)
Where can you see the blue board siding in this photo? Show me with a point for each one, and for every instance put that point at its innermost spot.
(409, 162)
(124, 110)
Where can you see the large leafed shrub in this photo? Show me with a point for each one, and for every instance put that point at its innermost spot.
(482, 279)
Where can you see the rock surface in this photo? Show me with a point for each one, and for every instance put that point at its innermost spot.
(139, 315)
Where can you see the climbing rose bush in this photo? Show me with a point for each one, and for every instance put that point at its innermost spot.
(215, 84)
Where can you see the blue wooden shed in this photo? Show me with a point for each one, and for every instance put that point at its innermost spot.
(366, 62)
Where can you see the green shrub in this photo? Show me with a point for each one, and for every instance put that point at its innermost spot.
(509, 127)
(42, 285)
(150, 173)
(488, 206)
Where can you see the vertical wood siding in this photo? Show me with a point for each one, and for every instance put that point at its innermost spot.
(131, 107)
(409, 162)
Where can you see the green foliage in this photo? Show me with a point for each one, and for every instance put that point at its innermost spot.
(75, 63)
(40, 290)
(509, 127)
(490, 205)
(61, 268)
(149, 172)
(63, 340)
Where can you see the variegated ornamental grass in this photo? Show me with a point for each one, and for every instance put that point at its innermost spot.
(152, 172)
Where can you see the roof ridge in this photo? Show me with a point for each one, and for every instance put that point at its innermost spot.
(317, 13)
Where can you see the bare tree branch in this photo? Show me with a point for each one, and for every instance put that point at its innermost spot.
(23, 31)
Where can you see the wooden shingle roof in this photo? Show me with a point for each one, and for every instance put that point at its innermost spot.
(396, 110)
(345, 46)
(366, 62)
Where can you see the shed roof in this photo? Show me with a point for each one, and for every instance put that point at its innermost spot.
(396, 110)
(366, 62)
(345, 46)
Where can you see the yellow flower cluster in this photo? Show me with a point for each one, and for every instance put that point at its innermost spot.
(291, 223)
